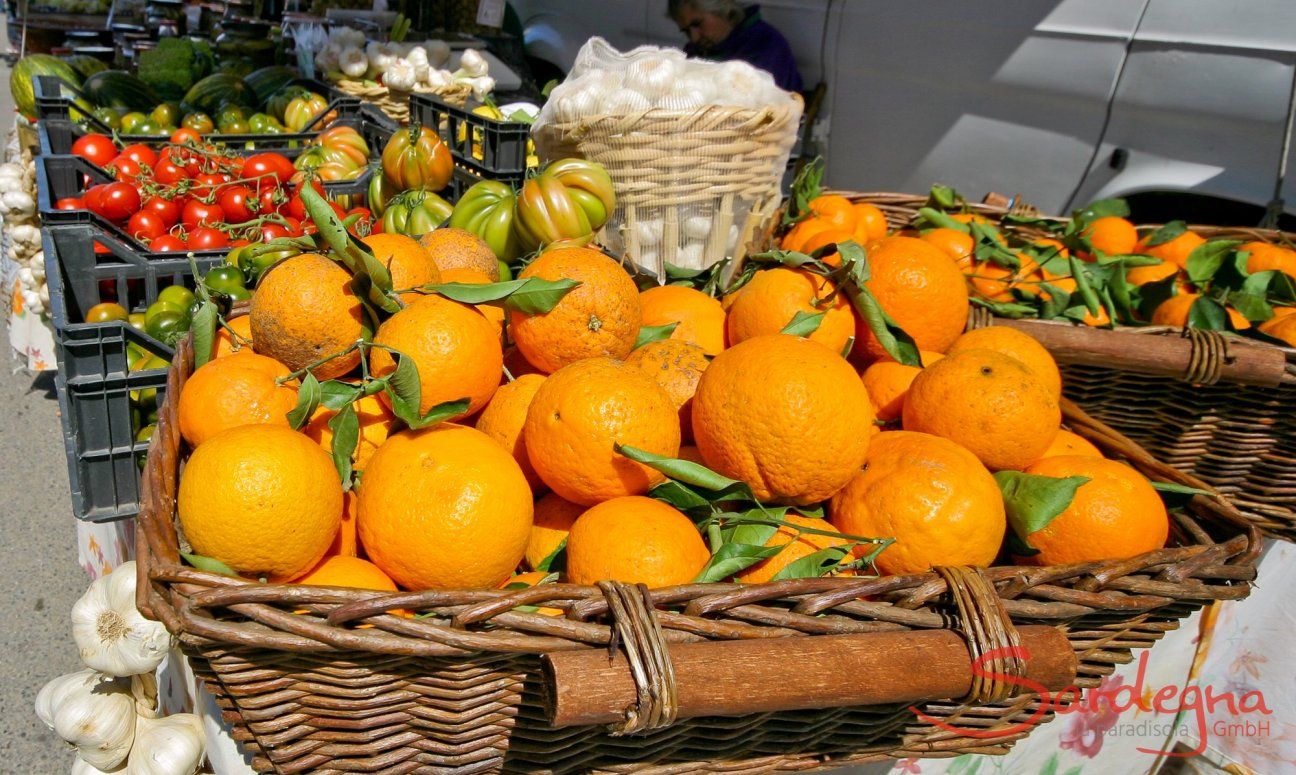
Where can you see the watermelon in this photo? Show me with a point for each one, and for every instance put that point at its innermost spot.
(117, 89)
(216, 90)
(268, 80)
(86, 66)
(30, 66)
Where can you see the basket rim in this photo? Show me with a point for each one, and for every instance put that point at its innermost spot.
(795, 106)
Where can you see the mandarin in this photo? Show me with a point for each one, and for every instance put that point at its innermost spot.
(504, 416)
(773, 297)
(239, 389)
(700, 318)
(676, 367)
(635, 540)
(920, 288)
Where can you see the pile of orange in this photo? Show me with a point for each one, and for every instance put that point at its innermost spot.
(533, 477)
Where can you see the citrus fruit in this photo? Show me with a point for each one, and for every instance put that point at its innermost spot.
(456, 349)
(1116, 514)
(1015, 344)
(1281, 327)
(263, 499)
(345, 543)
(700, 318)
(554, 517)
(1175, 251)
(676, 367)
(634, 540)
(796, 545)
(834, 210)
(826, 237)
(375, 422)
(691, 453)
(410, 265)
(303, 311)
(444, 507)
(504, 416)
(348, 572)
(452, 248)
(1264, 257)
(888, 381)
(988, 402)
(1174, 312)
(1068, 443)
(784, 414)
(1142, 275)
(601, 316)
(933, 496)
(236, 390)
(493, 313)
(227, 342)
(956, 244)
(773, 297)
(577, 416)
(921, 289)
(1112, 235)
(870, 223)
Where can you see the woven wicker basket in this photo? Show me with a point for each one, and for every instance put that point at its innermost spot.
(1239, 436)
(691, 187)
(396, 104)
(463, 691)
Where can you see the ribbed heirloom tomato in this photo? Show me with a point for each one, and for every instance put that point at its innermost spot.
(416, 158)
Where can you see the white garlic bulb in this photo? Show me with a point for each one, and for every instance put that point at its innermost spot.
(690, 256)
(741, 84)
(400, 76)
(353, 63)
(473, 64)
(173, 745)
(113, 636)
(82, 767)
(19, 203)
(439, 79)
(438, 52)
(418, 57)
(625, 101)
(648, 232)
(697, 227)
(651, 76)
(93, 712)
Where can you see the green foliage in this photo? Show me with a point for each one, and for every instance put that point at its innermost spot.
(174, 66)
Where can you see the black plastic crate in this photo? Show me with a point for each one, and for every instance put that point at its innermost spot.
(497, 149)
(94, 383)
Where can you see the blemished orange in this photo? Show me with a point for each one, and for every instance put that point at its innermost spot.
(599, 317)
(472, 276)
(375, 422)
(1265, 256)
(870, 222)
(1281, 327)
(784, 414)
(922, 290)
(796, 545)
(1068, 443)
(1176, 250)
(444, 507)
(410, 265)
(888, 381)
(581, 411)
(988, 402)
(956, 244)
(348, 572)
(773, 297)
(457, 351)
(1112, 235)
(239, 389)
(932, 495)
(554, 516)
(700, 318)
(635, 540)
(263, 499)
(227, 343)
(1174, 312)
(504, 416)
(452, 248)
(303, 311)
(1116, 514)
(676, 367)
(1142, 275)
(1015, 344)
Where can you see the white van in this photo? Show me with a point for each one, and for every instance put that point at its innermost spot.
(1183, 106)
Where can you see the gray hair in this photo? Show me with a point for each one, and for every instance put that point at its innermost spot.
(729, 9)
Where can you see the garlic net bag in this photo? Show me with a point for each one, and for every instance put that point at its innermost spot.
(696, 149)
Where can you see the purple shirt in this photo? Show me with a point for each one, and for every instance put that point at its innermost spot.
(756, 42)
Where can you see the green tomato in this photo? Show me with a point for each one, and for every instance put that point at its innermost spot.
(110, 118)
(136, 319)
(235, 127)
(167, 326)
(259, 122)
(158, 307)
(146, 433)
(256, 264)
(239, 294)
(223, 279)
(506, 271)
(131, 121)
(148, 127)
(177, 294)
(166, 114)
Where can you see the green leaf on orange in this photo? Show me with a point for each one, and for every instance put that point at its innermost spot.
(803, 323)
(1033, 501)
(649, 334)
(308, 399)
(345, 426)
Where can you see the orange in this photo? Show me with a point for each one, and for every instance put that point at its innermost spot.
(345, 543)
(1048, 245)
(784, 414)
(444, 507)
(599, 317)
(797, 544)
(635, 540)
(826, 237)
(1015, 344)
(1174, 312)
(1142, 275)
(772, 299)
(554, 517)
(1068, 443)
(994, 282)
(970, 218)
(1116, 514)
(456, 350)
(676, 367)
(303, 311)
(375, 422)
(348, 572)
(504, 416)
(888, 381)
(263, 499)
(452, 248)
(956, 244)
(1112, 235)
(577, 416)
(797, 236)
(835, 210)
(988, 402)
(1175, 251)
(701, 319)
(870, 223)
(933, 496)
(691, 453)
(1265, 256)
(241, 338)
(1281, 327)
(410, 265)
(236, 390)
(922, 290)
(471, 276)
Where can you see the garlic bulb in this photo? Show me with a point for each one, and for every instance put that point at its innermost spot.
(82, 767)
(93, 712)
(173, 745)
(473, 64)
(439, 79)
(690, 256)
(625, 101)
(651, 76)
(682, 100)
(648, 232)
(697, 227)
(113, 636)
(741, 84)
(380, 58)
(481, 86)
(418, 57)
(438, 52)
(20, 203)
(353, 63)
(400, 76)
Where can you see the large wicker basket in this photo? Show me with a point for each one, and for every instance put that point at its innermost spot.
(1219, 406)
(307, 689)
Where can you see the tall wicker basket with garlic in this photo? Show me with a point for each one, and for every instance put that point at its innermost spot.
(696, 150)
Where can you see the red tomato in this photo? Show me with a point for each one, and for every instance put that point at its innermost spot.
(140, 154)
(115, 201)
(145, 226)
(126, 168)
(101, 249)
(259, 165)
(210, 184)
(207, 239)
(92, 197)
(166, 209)
(272, 199)
(70, 203)
(240, 242)
(97, 149)
(239, 204)
(198, 213)
(185, 135)
(168, 243)
(168, 173)
(271, 231)
(295, 225)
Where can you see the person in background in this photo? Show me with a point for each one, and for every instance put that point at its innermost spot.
(723, 30)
